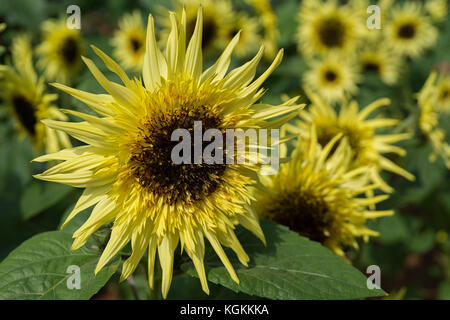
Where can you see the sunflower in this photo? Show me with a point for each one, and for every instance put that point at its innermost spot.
(328, 27)
(217, 15)
(408, 31)
(249, 40)
(367, 145)
(126, 167)
(129, 41)
(23, 93)
(333, 78)
(443, 93)
(437, 9)
(60, 52)
(269, 22)
(380, 61)
(429, 120)
(320, 195)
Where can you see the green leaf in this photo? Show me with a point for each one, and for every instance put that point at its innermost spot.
(38, 196)
(290, 267)
(38, 269)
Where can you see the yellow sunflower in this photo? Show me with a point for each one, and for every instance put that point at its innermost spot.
(60, 51)
(333, 78)
(23, 93)
(217, 15)
(249, 40)
(367, 145)
(408, 31)
(320, 194)
(329, 27)
(126, 167)
(437, 9)
(129, 41)
(381, 61)
(269, 22)
(429, 120)
(443, 93)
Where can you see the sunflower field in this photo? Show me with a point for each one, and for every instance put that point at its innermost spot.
(350, 200)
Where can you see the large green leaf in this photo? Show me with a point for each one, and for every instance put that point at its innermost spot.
(290, 267)
(38, 269)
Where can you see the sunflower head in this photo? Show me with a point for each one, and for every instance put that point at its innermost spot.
(409, 32)
(60, 51)
(320, 195)
(427, 100)
(380, 61)
(333, 78)
(126, 166)
(328, 28)
(129, 41)
(443, 93)
(360, 128)
(25, 97)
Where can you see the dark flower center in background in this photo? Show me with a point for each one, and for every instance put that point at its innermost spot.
(304, 213)
(371, 66)
(154, 168)
(407, 31)
(209, 31)
(332, 33)
(25, 111)
(136, 44)
(331, 76)
(70, 50)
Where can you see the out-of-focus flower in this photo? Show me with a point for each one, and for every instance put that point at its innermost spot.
(26, 99)
(437, 9)
(60, 51)
(429, 120)
(321, 195)
(409, 31)
(381, 61)
(129, 41)
(333, 78)
(368, 146)
(327, 27)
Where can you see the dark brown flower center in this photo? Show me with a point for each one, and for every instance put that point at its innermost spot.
(70, 50)
(332, 33)
(136, 44)
(371, 66)
(152, 164)
(25, 112)
(330, 76)
(302, 212)
(407, 31)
